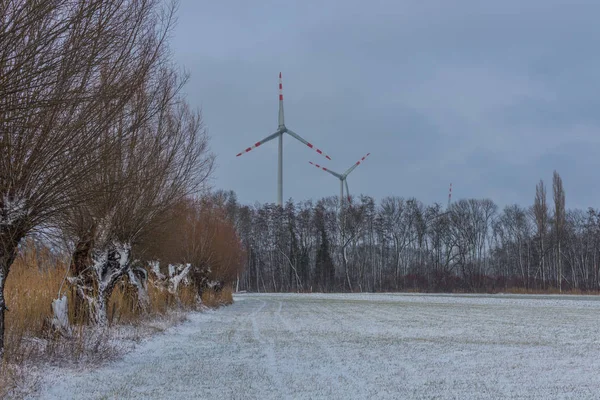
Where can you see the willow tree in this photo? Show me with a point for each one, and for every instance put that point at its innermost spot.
(163, 156)
(66, 71)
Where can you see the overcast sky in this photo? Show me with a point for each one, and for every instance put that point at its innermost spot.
(489, 95)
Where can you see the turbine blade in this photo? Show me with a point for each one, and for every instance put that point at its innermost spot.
(265, 140)
(356, 165)
(297, 137)
(281, 119)
(325, 169)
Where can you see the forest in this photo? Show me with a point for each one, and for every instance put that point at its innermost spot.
(401, 244)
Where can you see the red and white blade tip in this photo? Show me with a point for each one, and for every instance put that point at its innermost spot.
(280, 88)
(362, 159)
(318, 166)
(249, 148)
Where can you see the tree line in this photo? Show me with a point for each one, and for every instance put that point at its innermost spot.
(402, 244)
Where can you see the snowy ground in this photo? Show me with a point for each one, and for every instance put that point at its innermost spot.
(363, 346)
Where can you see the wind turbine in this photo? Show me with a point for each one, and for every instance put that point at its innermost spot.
(279, 133)
(342, 177)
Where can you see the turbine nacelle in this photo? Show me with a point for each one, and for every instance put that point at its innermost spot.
(342, 177)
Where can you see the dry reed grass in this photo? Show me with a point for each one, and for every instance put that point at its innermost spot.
(124, 309)
(550, 290)
(212, 298)
(35, 279)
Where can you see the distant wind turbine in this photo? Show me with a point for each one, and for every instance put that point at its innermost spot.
(342, 177)
(280, 131)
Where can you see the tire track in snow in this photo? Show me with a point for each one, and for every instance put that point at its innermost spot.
(364, 336)
(267, 348)
(339, 366)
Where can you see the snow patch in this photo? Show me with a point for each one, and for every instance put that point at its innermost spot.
(177, 274)
(60, 319)
(155, 268)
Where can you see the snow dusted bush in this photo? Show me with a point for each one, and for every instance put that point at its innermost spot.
(200, 244)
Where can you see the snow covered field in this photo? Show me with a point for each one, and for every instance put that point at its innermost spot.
(363, 346)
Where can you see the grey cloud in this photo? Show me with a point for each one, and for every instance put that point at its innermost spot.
(491, 96)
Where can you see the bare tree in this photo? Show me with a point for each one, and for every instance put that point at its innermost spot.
(398, 227)
(468, 247)
(163, 159)
(514, 231)
(66, 70)
(350, 225)
(540, 212)
(559, 222)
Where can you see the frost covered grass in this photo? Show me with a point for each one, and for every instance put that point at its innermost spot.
(359, 346)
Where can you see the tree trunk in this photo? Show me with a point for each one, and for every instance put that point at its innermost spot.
(138, 278)
(345, 258)
(543, 265)
(397, 255)
(4, 263)
(109, 265)
(99, 310)
(8, 252)
(80, 263)
(257, 277)
(559, 269)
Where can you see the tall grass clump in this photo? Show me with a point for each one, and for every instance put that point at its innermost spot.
(36, 278)
(216, 298)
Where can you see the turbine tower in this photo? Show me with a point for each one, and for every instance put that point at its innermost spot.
(342, 177)
(279, 134)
